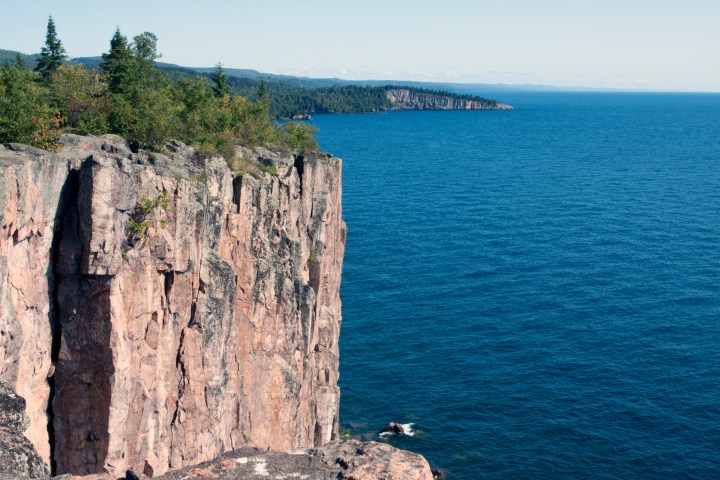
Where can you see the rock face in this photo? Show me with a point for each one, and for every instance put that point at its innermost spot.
(404, 99)
(158, 310)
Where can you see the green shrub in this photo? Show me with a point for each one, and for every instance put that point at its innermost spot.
(271, 169)
(298, 136)
(25, 112)
(142, 216)
(82, 98)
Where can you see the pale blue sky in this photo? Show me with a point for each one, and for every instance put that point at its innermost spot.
(652, 44)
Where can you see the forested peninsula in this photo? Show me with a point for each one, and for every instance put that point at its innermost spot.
(295, 97)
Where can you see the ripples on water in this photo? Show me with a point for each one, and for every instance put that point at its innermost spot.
(537, 290)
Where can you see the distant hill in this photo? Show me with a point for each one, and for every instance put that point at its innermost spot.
(291, 96)
(309, 82)
(9, 55)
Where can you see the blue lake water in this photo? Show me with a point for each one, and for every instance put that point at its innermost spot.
(537, 290)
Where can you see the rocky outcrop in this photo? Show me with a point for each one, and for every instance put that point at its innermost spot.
(18, 458)
(350, 460)
(159, 310)
(407, 99)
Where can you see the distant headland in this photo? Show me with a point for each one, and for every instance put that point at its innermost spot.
(297, 97)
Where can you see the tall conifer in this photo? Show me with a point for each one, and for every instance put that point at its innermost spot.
(220, 89)
(118, 63)
(52, 54)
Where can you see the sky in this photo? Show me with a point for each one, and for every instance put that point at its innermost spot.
(629, 44)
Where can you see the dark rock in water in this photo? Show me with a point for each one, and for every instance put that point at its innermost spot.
(438, 474)
(394, 428)
(18, 458)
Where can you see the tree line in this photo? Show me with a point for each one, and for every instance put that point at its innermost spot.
(129, 96)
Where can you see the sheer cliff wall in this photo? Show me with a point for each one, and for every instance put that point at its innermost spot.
(158, 310)
(405, 99)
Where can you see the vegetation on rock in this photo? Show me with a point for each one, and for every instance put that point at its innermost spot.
(128, 95)
(142, 216)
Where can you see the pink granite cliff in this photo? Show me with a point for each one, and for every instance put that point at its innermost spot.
(159, 310)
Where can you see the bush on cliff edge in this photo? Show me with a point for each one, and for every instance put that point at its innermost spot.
(129, 96)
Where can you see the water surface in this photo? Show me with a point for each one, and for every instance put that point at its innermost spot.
(538, 290)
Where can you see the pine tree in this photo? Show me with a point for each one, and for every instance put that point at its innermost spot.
(262, 91)
(118, 63)
(20, 63)
(52, 54)
(221, 88)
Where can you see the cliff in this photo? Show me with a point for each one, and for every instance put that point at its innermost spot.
(407, 99)
(159, 310)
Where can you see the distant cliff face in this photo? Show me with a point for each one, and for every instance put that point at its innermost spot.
(160, 310)
(403, 99)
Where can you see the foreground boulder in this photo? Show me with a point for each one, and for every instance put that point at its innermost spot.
(18, 458)
(349, 460)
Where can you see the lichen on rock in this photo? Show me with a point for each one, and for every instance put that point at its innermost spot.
(18, 458)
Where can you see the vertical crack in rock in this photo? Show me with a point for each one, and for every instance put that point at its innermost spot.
(67, 203)
(237, 190)
(84, 292)
(299, 165)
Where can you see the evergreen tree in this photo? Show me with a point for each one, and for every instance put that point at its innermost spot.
(20, 62)
(118, 63)
(52, 54)
(221, 88)
(262, 91)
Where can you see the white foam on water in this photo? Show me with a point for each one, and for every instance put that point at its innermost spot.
(407, 429)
